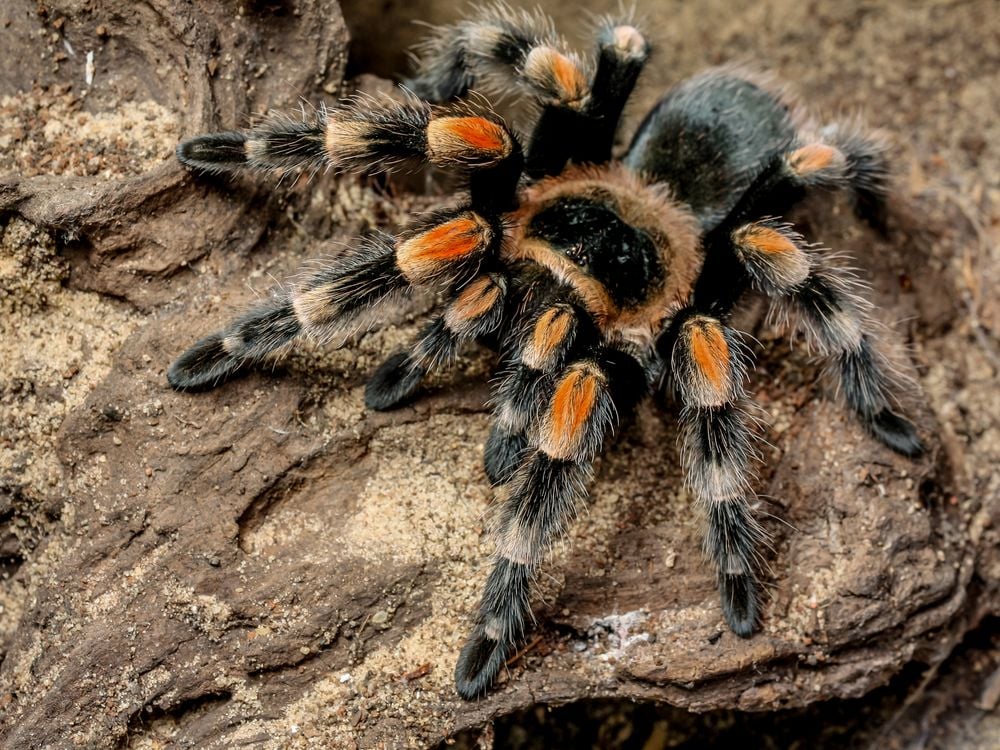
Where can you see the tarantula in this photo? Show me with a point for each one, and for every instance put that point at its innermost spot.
(599, 280)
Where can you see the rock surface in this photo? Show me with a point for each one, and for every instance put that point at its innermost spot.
(268, 565)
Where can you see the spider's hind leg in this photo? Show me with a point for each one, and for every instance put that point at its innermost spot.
(827, 303)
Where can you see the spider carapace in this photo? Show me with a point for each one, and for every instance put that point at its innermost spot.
(597, 279)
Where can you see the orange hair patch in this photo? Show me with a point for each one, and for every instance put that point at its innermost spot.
(568, 77)
(477, 299)
(710, 354)
(422, 256)
(550, 68)
(572, 405)
(765, 240)
(813, 158)
(467, 140)
(551, 330)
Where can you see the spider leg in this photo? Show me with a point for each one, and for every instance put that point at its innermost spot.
(830, 307)
(369, 135)
(541, 498)
(540, 352)
(867, 173)
(502, 52)
(337, 298)
(475, 311)
(586, 134)
(445, 253)
(852, 161)
(827, 301)
(708, 364)
(505, 52)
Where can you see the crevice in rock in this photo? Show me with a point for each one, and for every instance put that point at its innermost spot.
(179, 713)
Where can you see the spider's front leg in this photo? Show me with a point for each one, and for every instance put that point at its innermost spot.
(533, 364)
(708, 366)
(337, 299)
(448, 252)
(502, 51)
(370, 135)
(539, 500)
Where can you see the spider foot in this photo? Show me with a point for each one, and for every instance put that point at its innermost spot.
(214, 152)
(740, 602)
(394, 382)
(479, 664)
(896, 432)
(204, 366)
(264, 330)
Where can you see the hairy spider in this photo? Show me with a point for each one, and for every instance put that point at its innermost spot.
(597, 279)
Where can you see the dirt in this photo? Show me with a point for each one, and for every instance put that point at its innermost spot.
(270, 565)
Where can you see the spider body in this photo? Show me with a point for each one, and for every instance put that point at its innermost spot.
(597, 280)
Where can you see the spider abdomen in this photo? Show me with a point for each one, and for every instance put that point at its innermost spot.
(710, 136)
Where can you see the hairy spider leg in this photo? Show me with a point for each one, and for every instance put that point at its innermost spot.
(584, 132)
(475, 312)
(445, 253)
(516, 52)
(826, 301)
(536, 356)
(370, 135)
(708, 367)
(541, 497)
(503, 52)
(337, 298)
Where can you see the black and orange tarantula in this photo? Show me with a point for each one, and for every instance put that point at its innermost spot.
(597, 279)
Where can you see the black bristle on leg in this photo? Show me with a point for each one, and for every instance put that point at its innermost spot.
(444, 76)
(868, 391)
(523, 393)
(503, 454)
(558, 135)
(896, 432)
(479, 663)
(214, 152)
(394, 382)
(503, 616)
(717, 455)
(222, 356)
(867, 171)
(202, 367)
(740, 598)
(732, 542)
(622, 53)
(397, 379)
